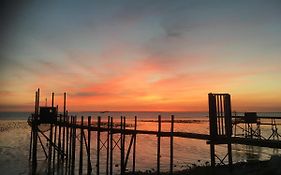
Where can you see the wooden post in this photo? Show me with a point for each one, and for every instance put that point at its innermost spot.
(228, 125)
(134, 146)
(59, 145)
(63, 131)
(30, 143)
(54, 152)
(66, 144)
(35, 133)
(89, 167)
(51, 140)
(172, 145)
(98, 146)
(50, 149)
(53, 99)
(107, 146)
(70, 144)
(220, 113)
(122, 146)
(111, 147)
(81, 147)
(124, 143)
(212, 126)
(158, 144)
(73, 145)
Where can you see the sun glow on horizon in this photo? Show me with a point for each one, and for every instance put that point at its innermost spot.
(141, 56)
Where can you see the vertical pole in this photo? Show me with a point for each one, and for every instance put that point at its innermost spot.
(228, 125)
(98, 146)
(51, 135)
(212, 152)
(124, 144)
(64, 121)
(172, 145)
(70, 144)
(134, 146)
(107, 146)
(213, 126)
(53, 99)
(122, 147)
(38, 102)
(50, 149)
(64, 104)
(59, 145)
(55, 140)
(35, 104)
(81, 147)
(30, 144)
(35, 134)
(73, 145)
(158, 144)
(221, 114)
(89, 168)
(111, 146)
(66, 144)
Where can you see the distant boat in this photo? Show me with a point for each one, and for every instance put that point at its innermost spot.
(104, 112)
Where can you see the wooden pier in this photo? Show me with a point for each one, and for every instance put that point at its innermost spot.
(67, 133)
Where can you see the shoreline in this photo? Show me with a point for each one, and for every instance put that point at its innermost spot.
(256, 167)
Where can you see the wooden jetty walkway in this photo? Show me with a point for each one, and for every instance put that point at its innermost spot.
(66, 134)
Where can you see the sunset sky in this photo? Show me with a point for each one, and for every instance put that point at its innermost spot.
(143, 55)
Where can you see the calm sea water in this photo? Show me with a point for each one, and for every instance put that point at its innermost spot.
(186, 151)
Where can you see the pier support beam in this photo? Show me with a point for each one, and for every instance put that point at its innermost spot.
(81, 147)
(158, 144)
(98, 146)
(172, 145)
(89, 165)
(134, 146)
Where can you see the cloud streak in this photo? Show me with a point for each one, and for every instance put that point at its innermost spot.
(142, 55)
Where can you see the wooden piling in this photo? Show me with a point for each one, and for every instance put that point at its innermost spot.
(59, 144)
(54, 152)
(34, 150)
(228, 126)
(134, 146)
(81, 148)
(89, 166)
(53, 99)
(70, 145)
(73, 146)
(50, 149)
(66, 144)
(111, 147)
(30, 144)
(213, 126)
(64, 121)
(98, 146)
(172, 145)
(158, 144)
(35, 133)
(107, 145)
(122, 145)
(51, 140)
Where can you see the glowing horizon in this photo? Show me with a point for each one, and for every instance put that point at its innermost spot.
(141, 55)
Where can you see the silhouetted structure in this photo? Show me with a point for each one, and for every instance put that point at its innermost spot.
(66, 134)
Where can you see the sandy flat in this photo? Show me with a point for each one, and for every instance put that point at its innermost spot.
(14, 146)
